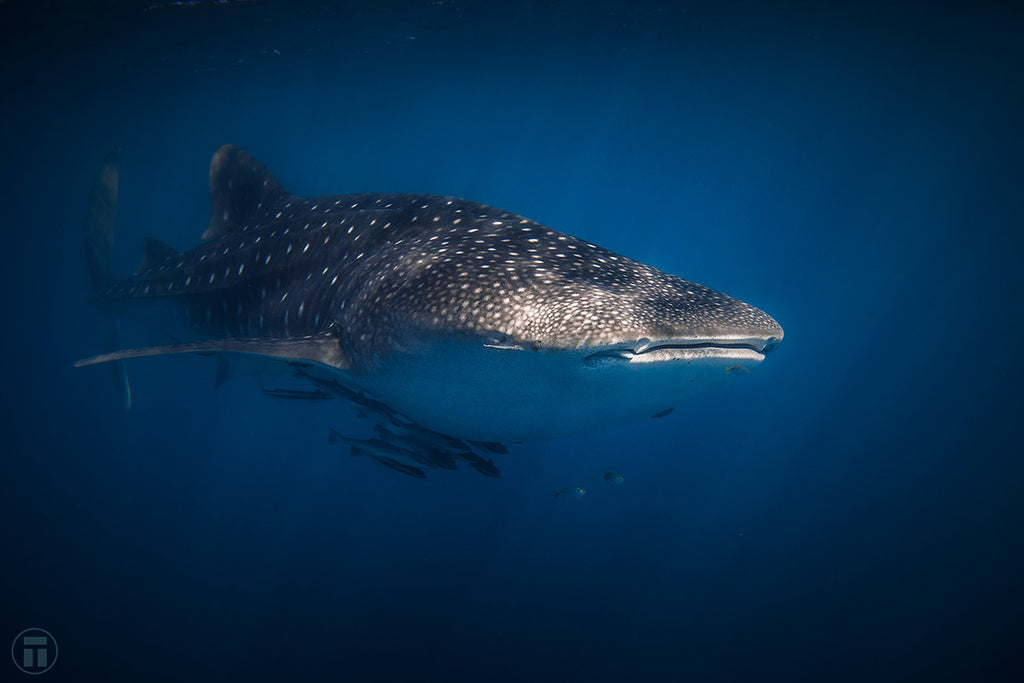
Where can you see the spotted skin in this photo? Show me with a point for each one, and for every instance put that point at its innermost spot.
(382, 268)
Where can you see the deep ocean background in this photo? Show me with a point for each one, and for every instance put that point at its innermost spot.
(852, 510)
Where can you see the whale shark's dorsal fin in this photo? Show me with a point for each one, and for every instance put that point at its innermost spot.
(241, 188)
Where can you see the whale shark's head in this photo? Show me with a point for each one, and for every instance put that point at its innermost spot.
(622, 310)
(562, 334)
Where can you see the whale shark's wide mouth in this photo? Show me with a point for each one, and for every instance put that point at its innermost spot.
(647, 351)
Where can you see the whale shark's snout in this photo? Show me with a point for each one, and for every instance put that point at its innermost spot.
(701, 319)
(694, 323)
(687, 315)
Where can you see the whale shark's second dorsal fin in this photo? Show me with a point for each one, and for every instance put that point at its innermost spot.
(241, 189)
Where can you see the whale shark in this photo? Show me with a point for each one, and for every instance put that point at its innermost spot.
(467, 320)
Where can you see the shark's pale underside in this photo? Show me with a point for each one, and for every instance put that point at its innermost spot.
(463, 318)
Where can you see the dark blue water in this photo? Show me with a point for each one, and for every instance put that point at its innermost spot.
(852, 510)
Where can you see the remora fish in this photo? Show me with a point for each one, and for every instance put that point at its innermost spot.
(425, 438)
(424, 451)
(383, 453)
(470, 320)
(410, 470)
(484, 467)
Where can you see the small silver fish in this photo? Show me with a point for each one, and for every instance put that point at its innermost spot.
(575, 491)
(613, 478)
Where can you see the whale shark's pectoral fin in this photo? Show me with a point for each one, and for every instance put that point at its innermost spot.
(321, 349)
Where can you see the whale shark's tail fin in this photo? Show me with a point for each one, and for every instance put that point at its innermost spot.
(99, 244)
